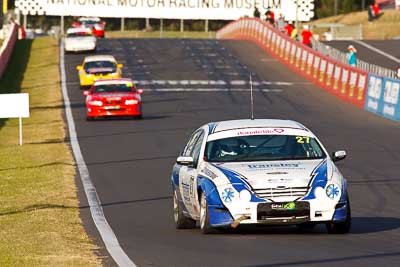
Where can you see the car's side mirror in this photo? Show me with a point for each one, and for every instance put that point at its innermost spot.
(79, 67)
(120, 65)
(338, 155)
(185, 161)
(86, 92)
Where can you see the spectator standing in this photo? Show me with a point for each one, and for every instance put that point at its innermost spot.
(352, 55)
(306, 36)
(280, 23)
(256, 13)
(377, 10)
(294, 34)
(371, 15)
(289, 28)
(270, 16)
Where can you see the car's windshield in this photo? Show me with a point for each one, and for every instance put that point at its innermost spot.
(112, 66)
(79, 34)
(111, 88)
(263, 148)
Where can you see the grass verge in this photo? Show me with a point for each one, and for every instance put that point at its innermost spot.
(157, 34)
(39, 209)
(385, 27)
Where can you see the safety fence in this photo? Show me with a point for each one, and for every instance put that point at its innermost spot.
(342, 80)
(7, 48)
(334, 53)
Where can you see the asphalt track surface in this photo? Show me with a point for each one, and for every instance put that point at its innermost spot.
(390, 47)
(130, 161)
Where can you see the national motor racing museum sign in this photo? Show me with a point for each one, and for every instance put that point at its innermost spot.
(302, 10)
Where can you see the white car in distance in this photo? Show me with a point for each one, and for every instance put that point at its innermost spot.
(80, 40)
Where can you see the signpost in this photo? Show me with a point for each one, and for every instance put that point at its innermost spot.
(15, 106)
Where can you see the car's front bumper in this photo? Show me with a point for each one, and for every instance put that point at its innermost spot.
(108, 111)
(269, 213)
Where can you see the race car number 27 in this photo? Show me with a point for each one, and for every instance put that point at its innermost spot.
(303, 139)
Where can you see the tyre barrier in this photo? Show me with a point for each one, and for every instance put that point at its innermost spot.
(367, 91)
(7, 48)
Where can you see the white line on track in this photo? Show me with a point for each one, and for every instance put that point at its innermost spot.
(208, 82)
(395, 59)
(96, 210)
(211, 90)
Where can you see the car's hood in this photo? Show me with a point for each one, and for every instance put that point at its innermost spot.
(113, 96)
(262, 175)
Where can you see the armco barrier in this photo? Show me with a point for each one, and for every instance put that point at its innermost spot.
(341, 80)
(7, 48)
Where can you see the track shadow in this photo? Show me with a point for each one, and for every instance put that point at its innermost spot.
(334, 261)
(360, 225)
(12, 77)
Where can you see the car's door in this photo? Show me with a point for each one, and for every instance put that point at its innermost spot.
(188, 179)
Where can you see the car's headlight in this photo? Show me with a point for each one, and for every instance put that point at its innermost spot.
(245, 195)
(333, 191)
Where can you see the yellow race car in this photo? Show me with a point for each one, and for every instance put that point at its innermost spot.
(98, 67)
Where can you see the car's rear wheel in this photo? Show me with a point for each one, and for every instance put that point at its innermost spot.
(205, 225)
(181, 221)
(341, 227)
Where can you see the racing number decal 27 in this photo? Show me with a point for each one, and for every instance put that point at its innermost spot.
(303, 139)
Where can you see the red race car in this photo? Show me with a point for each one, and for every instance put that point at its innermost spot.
(95, 24)
(113, 97)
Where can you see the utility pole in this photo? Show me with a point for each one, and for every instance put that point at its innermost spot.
(336, 7)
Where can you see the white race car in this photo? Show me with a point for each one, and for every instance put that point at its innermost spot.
(79, 40)
(271, 172)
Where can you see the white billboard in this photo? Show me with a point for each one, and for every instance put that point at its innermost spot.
(303, 10)
(14, 105)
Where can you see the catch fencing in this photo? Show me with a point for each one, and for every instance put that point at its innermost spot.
(7, 48)
(340, 79)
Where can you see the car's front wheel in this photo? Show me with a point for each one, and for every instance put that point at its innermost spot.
(181, 221)
(341, 227)
(205, 225)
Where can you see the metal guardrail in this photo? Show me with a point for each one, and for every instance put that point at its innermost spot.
(363, 65)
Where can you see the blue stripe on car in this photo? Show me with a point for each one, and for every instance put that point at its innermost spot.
(211, 127)
(238, 182)
(210, 190)
(319, 179)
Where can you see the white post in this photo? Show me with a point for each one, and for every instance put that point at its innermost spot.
(122, 24)
(206, 26)
(20, 131)
(18, 16)
(25, 21)
(62, 25)
(182, 25)
(161, 28)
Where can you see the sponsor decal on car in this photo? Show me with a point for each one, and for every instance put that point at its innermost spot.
(261, 132)
(284, 206)
(274, 165)
(227, 195)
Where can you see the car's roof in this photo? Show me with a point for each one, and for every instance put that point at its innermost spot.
(113, 81)
(256, 123)
(89, 18)
(99, 58)
(74, 30)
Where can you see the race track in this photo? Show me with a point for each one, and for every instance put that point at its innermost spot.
(130, 161)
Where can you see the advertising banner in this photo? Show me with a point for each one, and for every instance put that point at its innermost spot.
(374, 94)
(168, 9)
(391, 105)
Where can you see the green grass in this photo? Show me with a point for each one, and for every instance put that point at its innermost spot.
(39, 209)
(385, 27)
(156, 34)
